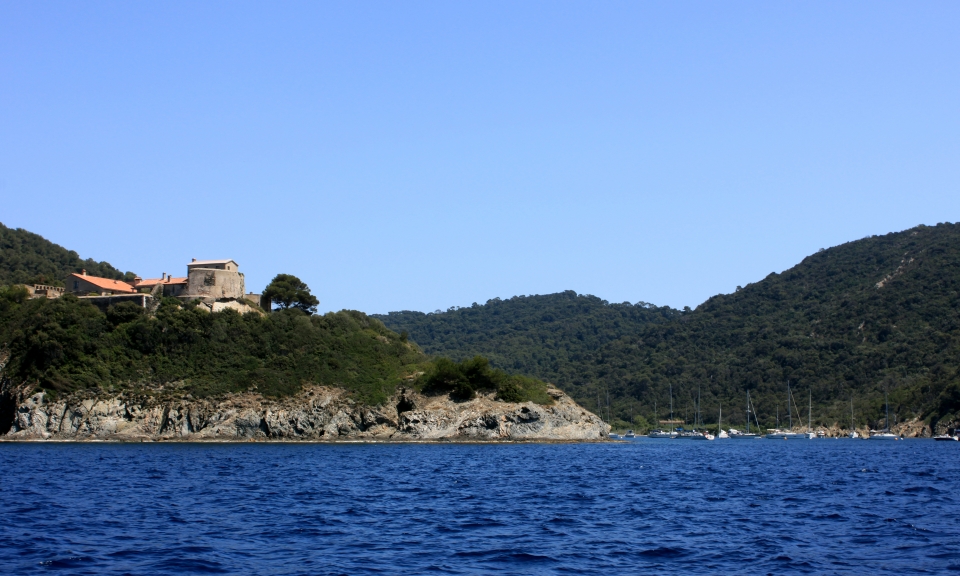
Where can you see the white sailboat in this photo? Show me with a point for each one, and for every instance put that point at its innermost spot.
(789, 434)
(737, 434)
(885, 434)
(720, 433)
(853, 427)
(810, 433)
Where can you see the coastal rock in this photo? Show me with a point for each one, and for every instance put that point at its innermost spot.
(316, 413)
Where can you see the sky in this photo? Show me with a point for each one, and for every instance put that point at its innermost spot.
(423, 155)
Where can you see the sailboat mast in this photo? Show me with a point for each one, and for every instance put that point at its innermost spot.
(887, 402)
(755, 420)
(699, 421)
(671, 401)
(789, 413)
(810, 411)
(748, 411)
(851, 415)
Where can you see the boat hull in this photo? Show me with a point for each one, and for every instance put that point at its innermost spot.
(789, 436)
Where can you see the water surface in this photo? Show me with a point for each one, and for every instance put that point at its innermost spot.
(644, 507)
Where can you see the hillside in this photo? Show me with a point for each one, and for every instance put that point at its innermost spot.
(881, 313)
(69, 371)
(27, 258)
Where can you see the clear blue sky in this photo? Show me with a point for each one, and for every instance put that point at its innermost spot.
(421, 155)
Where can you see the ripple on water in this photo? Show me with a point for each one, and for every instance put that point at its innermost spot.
(641, 507)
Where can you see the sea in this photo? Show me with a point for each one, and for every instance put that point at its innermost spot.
(827, 506)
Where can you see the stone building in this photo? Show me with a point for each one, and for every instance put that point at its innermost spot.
(44, 291)
(212, 280)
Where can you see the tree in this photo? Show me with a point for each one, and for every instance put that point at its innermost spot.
(288, 291)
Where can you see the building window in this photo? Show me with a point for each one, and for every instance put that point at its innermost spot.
(76, 284)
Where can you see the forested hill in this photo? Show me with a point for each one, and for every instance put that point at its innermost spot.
(881, 313)
(27, 258)
(66, 346)
(553, 334)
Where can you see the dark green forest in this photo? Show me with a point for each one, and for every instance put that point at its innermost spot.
(847, 323)
(28, 258)
(67, 345)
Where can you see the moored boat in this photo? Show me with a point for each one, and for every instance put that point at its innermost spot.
(789, 434)
(884, 434)
(777, 434)
(694, 435)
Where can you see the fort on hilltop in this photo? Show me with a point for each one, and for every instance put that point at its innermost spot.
(217, 284)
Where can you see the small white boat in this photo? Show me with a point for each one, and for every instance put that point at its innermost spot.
(946, 438)
(662, 434)
(613, 436)
(629, 435)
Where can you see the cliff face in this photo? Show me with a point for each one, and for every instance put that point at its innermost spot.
(317, 413)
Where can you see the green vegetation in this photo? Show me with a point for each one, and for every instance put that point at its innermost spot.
(66, 344)
(881, 313)
(463, 380)
(28, 258)
(288, 291)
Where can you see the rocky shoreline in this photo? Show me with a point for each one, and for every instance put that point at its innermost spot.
(316, 414)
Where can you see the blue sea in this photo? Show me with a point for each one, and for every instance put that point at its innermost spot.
(641, 507)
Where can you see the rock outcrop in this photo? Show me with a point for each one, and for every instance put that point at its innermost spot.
(318, 413)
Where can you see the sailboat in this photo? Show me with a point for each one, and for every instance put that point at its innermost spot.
(664, 434)
(810, 433)
(720, 432)
(853, 428)
(789, 434)
(885, 434)
(695, 434)
(746, 435)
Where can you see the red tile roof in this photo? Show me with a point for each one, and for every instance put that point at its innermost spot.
(105, 283)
